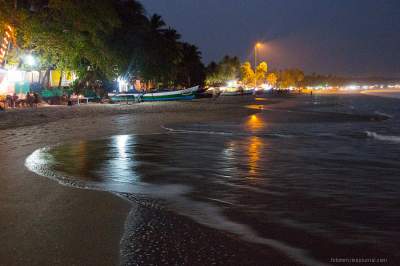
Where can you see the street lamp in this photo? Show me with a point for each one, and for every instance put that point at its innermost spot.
(258, 45)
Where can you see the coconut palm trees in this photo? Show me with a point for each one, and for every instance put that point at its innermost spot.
(112, 37)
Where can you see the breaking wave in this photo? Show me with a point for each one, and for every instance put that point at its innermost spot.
(395, 139)
(383, 114)
(241, 134)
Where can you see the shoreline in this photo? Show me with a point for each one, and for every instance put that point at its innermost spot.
(49, 224)
(15, 118)
(386, 93)
(58, 217)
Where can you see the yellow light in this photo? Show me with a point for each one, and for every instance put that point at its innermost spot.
(258, 45)
(254, 123)
(255, 147)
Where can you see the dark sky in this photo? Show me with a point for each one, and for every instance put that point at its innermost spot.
(344, 37)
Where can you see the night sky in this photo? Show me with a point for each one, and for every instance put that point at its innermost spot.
(343, 37)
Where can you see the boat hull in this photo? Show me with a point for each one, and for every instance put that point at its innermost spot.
(173, 97)
(186, 94)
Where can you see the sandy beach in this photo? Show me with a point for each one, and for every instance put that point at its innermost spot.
(44, 223)
(47, 223)
(193, 133)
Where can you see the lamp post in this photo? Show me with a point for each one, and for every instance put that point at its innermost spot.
(258, 45)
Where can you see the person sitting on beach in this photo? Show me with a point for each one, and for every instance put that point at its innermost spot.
(9, 101)
(69, 103)
(35, 99)
(29, 99)
(14, 100)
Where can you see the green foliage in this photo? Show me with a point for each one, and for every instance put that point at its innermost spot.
(261, 72)
(272, 79)
(191, 70)
(102, 40)
(320, 80)
(227, 69)
(290, 78)
(249, 77)
(247, 74)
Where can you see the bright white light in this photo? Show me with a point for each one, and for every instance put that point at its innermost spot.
(266, 87)
(232, 83)
(122, 84)
(352, 87)
(30, 60)
(122, 142)
(14, 75)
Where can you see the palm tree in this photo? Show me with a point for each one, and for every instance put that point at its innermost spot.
(157, 24)
(191, 69)
(171, 35)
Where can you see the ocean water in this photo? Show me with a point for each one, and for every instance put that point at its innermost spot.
(322, 183)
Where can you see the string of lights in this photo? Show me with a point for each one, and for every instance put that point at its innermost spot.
(5, 44)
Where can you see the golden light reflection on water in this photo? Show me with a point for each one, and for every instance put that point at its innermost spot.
(254, 152)
(254, 123)
(255, 106)
(253, 149)
(81, 157)
(73, 158)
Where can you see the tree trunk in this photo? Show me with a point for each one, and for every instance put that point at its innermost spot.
(61, 77)
(46, 77)
(40, 76)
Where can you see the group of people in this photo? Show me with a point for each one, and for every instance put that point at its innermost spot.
(30, 100)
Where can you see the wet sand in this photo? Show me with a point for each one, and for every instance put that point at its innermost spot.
(49, 224)
(44, 223)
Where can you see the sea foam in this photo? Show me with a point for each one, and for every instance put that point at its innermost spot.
(395, 139)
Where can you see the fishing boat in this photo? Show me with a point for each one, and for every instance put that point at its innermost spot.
(185, 94)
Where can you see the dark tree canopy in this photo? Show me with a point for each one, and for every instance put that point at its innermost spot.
(227, 69)
(113, 38)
